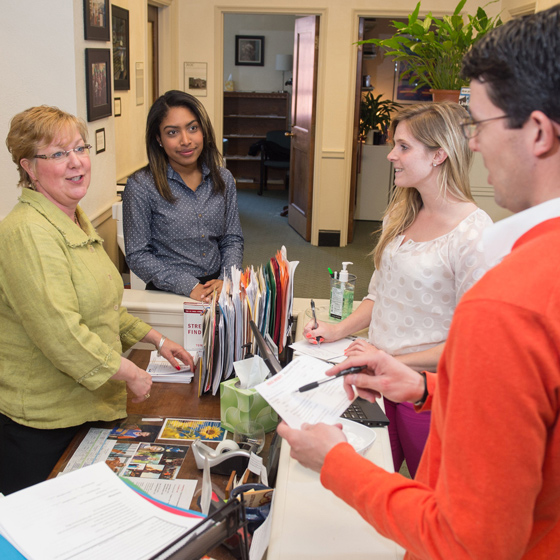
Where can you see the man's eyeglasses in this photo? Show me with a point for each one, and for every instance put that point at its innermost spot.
(470, 126)
(62, 155)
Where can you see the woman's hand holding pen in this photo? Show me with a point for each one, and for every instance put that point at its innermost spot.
(326, 331)
(311, 444)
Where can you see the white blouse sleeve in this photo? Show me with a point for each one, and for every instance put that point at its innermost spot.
(466, 254)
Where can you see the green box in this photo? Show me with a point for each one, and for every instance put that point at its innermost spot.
(238, 404)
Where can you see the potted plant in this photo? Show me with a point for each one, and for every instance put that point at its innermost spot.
(375, 115)
(433, 48)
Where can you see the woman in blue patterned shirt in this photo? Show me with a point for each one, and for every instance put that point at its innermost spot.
(180, 217)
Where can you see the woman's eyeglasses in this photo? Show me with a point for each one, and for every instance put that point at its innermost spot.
(62, 155)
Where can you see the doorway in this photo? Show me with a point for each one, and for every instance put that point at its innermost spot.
(371, 176)
(279, 38)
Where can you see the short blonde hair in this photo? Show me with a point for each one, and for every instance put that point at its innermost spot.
(35, 127)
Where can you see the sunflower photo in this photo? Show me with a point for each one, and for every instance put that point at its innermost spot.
(181, 429)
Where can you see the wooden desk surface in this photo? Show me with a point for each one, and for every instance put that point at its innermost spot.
(172, 400)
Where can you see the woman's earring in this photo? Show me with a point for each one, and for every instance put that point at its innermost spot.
(434, 164)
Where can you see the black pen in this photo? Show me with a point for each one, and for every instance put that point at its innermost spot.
(319, 339)
(315, 384)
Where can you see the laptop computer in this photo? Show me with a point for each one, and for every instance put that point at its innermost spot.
(361, 411)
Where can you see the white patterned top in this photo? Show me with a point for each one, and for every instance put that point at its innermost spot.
(419, 285)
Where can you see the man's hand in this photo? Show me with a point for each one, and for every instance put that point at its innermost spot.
(311, 444)
(384, 375)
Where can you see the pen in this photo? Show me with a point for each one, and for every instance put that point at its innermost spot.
(319, 339)
(331, 273)
(315, 384)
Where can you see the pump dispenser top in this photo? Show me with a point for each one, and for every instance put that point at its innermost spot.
(343, 276)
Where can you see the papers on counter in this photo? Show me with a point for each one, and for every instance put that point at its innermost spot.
(324, 404)
(328, 351)
(86, 515)
(161, 370)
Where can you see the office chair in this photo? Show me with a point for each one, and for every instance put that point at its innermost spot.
(275, 153)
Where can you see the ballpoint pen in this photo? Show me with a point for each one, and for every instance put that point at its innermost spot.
(315, 384)
(319, 339)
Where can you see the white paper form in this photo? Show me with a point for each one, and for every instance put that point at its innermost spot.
(324, 404)
(178, 492)
(328, 351)
(86, 515)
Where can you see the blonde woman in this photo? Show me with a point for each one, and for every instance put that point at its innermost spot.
(429, 254)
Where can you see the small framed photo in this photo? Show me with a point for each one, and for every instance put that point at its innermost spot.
(96, 20)
(249, 50)
(121, 49)
(99, 140)
(117, 106)
(98, 83)
(196, 78)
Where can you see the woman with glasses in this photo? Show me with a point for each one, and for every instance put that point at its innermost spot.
(63, 327)
(180, 217)
(428, 255)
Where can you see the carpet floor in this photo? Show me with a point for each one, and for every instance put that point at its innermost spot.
(265, 231)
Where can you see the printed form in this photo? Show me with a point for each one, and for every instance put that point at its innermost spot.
(324, 404)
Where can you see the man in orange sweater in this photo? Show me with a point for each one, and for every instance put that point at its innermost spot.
(488, 484)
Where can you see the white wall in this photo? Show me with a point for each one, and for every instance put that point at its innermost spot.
(130, 150)
(278, 31)
(43, 62)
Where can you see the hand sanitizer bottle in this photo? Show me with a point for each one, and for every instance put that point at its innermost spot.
(342, 293)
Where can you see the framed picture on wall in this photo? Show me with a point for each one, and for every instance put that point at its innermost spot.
(405, 91)
(96, 20)
(121, 49)
(98, 83)
(195, 78)
(249, 50)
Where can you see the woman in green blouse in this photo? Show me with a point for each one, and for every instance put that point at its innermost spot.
(63, 327)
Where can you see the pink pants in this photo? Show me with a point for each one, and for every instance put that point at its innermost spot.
(408, 432)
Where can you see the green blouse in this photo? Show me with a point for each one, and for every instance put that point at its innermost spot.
(62, 325)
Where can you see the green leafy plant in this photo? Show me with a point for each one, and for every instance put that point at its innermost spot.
(375, 113)
(433, 48)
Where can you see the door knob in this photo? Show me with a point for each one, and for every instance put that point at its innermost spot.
(289, 134)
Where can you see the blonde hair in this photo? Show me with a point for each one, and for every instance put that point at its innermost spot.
(38, 126)
(436, 126)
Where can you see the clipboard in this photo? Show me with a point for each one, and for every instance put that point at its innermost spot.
(225, 522)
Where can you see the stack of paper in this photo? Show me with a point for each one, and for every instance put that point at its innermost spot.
(161, 370)
(265, 296)
(85, 515)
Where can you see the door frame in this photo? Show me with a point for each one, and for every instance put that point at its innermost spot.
(217, 118)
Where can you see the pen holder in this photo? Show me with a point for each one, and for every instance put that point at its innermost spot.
(257, 514)
(342, 297)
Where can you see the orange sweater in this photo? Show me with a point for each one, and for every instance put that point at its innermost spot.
(488, 485)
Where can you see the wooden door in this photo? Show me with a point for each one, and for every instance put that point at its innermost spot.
(306, 48)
